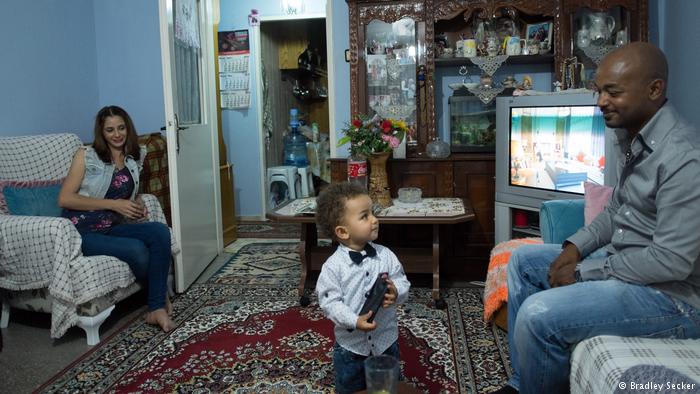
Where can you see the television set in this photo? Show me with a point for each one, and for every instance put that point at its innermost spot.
(548, 145)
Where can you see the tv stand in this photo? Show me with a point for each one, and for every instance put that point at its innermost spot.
(505, 222)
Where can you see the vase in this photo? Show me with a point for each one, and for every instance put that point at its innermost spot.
(378, 179)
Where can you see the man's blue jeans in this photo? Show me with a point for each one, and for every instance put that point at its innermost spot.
(145, 247)
(545, 324)
(350, 368)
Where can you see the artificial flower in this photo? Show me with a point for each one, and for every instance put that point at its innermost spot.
(373, 135)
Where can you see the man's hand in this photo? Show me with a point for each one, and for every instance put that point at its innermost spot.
(362, 323)
(390, 295)
(561, 272)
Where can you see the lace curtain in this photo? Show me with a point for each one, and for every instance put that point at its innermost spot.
(187, 58)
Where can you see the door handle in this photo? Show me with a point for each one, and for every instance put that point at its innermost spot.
(177, 134)
(179, 128)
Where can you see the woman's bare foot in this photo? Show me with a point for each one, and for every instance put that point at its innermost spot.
(159, 317)
(168, 306)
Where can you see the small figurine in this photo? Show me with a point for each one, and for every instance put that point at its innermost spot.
(527, 83)
(557, 86)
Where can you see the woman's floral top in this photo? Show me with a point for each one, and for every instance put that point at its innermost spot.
(121, 187)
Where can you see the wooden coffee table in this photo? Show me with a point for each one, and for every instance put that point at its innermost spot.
(436, 212)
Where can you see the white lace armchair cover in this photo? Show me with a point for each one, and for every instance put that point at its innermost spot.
(37, 252)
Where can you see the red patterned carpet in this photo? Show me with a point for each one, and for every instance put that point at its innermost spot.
(253, 337)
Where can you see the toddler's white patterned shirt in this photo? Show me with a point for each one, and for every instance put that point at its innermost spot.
(342, 288)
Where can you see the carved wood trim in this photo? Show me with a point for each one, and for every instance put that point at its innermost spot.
(603, 5)
(354, 53)
(644, 22)
(430, 77)
(448, 9)
(391, 12)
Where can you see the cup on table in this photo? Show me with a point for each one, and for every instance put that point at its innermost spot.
(382, 374)
(470, 48)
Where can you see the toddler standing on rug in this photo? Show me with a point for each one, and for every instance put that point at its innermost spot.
(344, 212)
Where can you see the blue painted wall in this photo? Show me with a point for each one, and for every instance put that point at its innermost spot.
(678, 31)
(63, 60)
(48, 72)
(129, 72)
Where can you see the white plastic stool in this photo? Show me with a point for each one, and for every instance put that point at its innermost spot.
(287, 175)
(307, 181)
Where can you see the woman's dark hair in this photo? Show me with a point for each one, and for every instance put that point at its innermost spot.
(131, 145)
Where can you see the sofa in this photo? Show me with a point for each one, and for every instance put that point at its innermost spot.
(41, 264)
(607, 364)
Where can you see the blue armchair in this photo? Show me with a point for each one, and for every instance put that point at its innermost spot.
(599, 363)
(559, 219)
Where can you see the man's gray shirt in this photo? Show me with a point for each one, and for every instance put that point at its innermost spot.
(651, 228)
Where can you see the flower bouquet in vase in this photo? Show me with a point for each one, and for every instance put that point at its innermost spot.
(373, 138)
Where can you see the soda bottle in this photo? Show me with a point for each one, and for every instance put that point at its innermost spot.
(357, 170)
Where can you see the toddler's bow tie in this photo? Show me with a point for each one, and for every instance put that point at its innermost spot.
(357, 257)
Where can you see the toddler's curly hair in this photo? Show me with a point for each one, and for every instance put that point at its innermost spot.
(330, 205)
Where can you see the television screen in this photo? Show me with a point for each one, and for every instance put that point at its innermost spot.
(557, 148)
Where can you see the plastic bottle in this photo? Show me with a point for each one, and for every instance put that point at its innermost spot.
(295, 143)
(357, 170)
(314, 131)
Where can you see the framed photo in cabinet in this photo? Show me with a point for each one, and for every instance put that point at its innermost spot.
(541, 32)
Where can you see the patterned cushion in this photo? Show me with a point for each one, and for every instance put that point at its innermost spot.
(30, 198)
(154, 176)
(598, 363)
(596, 199)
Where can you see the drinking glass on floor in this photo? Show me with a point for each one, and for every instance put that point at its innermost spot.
(382, 374)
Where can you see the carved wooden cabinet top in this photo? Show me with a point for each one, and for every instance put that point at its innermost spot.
(604, 5)
(389, 11)
(448, 9)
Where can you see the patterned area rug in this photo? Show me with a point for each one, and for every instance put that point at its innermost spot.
(244, 332)
(267, 229)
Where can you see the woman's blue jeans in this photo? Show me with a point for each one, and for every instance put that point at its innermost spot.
(145, 247)
(545, 324)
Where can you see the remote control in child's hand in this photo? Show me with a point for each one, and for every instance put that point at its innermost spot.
(375, 298)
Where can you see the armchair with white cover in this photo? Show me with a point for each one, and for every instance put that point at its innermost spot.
(42, 267)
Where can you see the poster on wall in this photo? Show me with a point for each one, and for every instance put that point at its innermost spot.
(234, 78)
(234, 42)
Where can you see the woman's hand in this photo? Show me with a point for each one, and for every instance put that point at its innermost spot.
(129, 209)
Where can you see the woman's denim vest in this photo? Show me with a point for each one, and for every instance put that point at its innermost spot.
(98, 174)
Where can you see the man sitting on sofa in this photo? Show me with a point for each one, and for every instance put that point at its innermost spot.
(635, 270)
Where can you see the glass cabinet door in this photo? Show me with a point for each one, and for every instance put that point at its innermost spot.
(391, 54)
(598, 32)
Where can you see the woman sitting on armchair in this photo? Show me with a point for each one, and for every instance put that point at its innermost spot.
(99, 197)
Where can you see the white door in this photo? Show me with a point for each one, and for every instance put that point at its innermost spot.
(186, 32)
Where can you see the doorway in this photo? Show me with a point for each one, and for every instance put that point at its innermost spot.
(292, 66)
